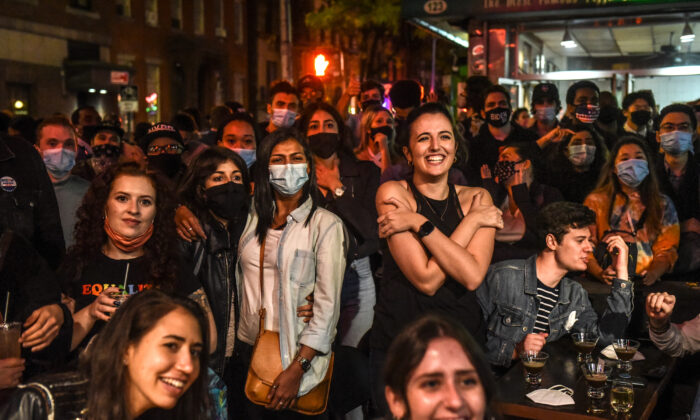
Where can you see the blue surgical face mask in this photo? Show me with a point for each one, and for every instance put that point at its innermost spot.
(632, 172)
(676, 142)
(545, 113)
(581, 154)
(248, 156)
(59, 162)
(290, 178)
(282, 117)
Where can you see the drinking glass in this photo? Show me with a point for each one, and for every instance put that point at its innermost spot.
(9, 339)
(585, 343)
(534, 362)
(596, 374)
(625, 350)
(621, 396)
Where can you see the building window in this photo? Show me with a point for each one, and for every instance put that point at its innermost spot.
(176, 13)
(123, 8)
(219, 13)
(198, 17)
(81, 4)
(78, 50)
(152, 12)
(238, 20)
(153, 99)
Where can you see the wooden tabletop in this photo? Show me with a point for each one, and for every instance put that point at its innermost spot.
(562, 369)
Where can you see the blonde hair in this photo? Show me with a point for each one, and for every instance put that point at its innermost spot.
(368, 116)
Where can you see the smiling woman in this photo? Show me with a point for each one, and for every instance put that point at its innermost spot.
(124, 244)
(440, 238)
(154, 355)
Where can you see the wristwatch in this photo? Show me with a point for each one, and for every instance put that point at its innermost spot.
(338, 192)
(304, 363)
(425, 229)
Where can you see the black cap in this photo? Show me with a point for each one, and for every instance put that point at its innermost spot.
(161, 129)
(310, 81)
(545, 91)
(112, 126)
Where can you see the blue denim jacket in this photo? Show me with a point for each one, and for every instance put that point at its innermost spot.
(508, 299)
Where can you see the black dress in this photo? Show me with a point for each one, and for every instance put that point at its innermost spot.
(399, 302)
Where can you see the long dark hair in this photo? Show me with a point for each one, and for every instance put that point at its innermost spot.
(159, 252)
(434, 108)
(263, 196)
(409, 347)
(192, 185)
(562, 163)
(609, 185)
(346, 143)
(104, 362)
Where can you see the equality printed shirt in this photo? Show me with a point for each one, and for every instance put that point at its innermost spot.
(105, 272)
(663, 245)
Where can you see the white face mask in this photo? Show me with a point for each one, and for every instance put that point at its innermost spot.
(556, 395)
(288, 179)
(581, 154)
(282, 117)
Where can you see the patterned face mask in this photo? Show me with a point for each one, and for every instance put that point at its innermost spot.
(504, 170)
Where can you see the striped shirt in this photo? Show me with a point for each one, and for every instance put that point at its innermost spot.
(547, 297)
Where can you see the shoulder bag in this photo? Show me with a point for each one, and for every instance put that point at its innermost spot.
(266, 365)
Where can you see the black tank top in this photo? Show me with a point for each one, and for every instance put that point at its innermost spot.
(399, 302)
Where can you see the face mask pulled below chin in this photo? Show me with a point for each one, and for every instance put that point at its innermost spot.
(676, 142)
(545, 113)
(228, 201)
(587, 113)
(248, 156)
(581, 155)
(290, 178)
(632, 172)
(283, 118)
(59, 162)
(498, 117)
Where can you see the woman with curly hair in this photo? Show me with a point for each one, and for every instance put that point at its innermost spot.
(124, 243)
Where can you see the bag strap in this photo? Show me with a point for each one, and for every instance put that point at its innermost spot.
(262, 307)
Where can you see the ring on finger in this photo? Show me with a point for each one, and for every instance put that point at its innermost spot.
(189, 229)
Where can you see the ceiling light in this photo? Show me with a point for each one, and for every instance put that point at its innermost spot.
(568, 40)
(688, 35)
(103, 91)
(91, 90)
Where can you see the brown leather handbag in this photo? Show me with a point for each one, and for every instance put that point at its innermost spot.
(266, 365)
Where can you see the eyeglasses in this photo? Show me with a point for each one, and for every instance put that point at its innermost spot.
(172, 149)
(668, 127)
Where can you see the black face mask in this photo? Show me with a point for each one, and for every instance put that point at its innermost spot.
(386, 130)
(166, 163)
(608, 114)
(324, 145)
(640, 118)
(498, 117)
(228, 201)
(368, 103)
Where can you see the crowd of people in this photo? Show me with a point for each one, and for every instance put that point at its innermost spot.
(402, 254)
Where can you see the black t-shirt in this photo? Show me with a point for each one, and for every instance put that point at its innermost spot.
(104, 272)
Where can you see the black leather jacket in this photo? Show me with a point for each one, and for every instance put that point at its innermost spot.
(214, 263)
(356, 206)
